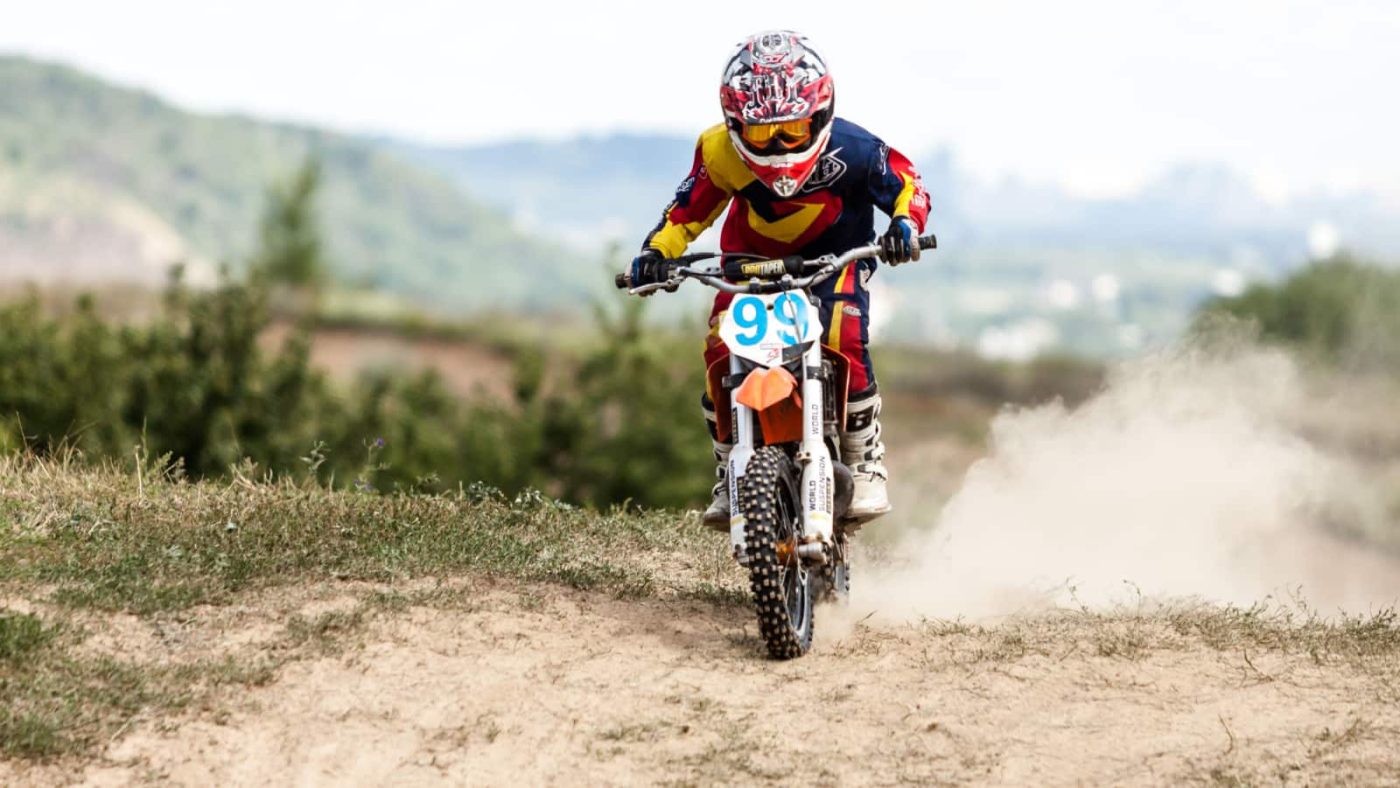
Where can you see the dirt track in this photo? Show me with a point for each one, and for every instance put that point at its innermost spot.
(476, 682)
(531, 685)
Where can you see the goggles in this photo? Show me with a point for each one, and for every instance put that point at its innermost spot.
(789, 134)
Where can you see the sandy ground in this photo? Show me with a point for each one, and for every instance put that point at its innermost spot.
(538, 685)
(498, 683)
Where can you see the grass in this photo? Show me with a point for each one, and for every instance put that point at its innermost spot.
(1367, 642)
(57, 699)
(79, 540)
(22, 633)
(80, 543)
(1291, 629)
(109, 540)
(325, 629)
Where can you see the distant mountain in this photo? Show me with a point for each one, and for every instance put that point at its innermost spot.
(99, 182)
(591, 190)
(1020, 260)
(603, 188)
(1199, 208)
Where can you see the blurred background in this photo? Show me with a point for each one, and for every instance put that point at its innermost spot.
(372, 243)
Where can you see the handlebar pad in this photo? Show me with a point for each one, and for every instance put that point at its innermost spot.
(735, 270)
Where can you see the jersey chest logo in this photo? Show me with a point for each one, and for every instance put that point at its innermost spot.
(829, 170)
(787, 228)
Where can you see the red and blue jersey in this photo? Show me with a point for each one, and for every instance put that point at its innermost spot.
(831, 213)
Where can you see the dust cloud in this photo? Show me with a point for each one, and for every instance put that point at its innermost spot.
(1183, 478)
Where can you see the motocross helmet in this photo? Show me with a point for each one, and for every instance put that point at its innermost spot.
(778, 102)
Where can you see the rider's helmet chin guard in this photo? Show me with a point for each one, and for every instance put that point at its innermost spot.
(778, 100)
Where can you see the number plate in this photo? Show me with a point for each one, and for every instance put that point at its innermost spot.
(759, 327)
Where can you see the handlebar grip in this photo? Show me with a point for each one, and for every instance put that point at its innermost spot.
(623, 281)
(928, 242)
(735, 270)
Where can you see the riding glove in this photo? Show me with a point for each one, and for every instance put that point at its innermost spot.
(900, 243)
(649, 268)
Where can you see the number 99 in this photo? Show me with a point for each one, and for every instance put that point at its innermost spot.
(791, 311)
(753, 314)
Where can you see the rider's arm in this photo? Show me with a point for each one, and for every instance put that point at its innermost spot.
(897, 188)
(699, 202)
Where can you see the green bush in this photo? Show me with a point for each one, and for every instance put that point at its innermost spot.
(195, 387)
(1341, 310)
(194, 391)
(634, 424)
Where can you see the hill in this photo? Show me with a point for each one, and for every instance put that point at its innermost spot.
(593, 189)
(1022, 267)
(100, 182)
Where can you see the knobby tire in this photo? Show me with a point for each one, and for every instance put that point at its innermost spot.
(783, 592)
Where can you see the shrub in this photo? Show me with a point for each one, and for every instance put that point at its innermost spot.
(1342, 310)
(194, 386)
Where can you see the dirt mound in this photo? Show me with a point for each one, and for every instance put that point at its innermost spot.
(468, 369)
(537, 685)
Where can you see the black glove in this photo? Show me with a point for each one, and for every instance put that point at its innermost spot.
(649, 268)
(900, 243)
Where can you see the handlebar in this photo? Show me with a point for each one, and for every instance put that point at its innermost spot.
(764, 275)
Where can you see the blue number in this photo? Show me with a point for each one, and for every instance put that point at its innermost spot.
(791, 311)
(750, 313)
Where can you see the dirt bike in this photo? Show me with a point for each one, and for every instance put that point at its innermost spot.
(781, 399)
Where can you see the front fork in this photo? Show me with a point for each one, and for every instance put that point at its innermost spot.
(818, 476)
(742, 419)
(818, 480)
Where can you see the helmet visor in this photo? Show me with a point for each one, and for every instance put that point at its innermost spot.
(790, 134)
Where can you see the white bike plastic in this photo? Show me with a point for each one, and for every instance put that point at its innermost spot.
(760, 327)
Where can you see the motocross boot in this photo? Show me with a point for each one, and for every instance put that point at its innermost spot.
(717, 515)
(864, 453)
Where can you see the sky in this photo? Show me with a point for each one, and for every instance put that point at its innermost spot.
(1097, 96)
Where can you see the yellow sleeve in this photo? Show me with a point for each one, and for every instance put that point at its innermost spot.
(700, 199)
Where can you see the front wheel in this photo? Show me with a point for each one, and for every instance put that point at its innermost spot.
(783, 588)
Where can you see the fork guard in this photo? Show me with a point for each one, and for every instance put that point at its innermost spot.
(845, 491)
(719, 382)
(773, 394)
